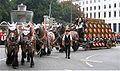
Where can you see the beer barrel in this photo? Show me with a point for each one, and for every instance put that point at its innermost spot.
(86, 30)
(94, 35)
(98, 30)
(110, 30)
(95, 30)
(95, 25)
(106, 25)
(91, 26)
(110, 35)
(102, 25)
(102, 35)
(106, 35)
(86, 36)
(106, 30)
(90, 35)
(99, 26)
(103, 31)
(90, 30)
(98, 35)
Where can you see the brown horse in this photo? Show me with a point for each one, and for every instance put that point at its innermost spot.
(12, 46)
(44, 40)
(28, 44)
(59, 34)
(75, 40)
(59, 31)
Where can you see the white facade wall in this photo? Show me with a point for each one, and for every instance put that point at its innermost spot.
(110, 20)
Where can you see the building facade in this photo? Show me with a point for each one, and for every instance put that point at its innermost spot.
(102, 9)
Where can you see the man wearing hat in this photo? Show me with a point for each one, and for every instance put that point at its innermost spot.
(67, 42)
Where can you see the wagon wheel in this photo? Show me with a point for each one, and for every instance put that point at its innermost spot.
(108, 45)
(86, 46)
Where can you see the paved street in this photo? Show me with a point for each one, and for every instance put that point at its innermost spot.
(103, 59)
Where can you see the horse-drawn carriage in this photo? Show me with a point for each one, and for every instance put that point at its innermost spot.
(94, 33)
(88, 33)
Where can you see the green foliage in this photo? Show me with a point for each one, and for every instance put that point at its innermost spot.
(5, 8)
(60, 11)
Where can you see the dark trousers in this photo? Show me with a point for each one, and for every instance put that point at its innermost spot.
(67, 50)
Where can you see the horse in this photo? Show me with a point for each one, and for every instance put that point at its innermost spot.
(44, 40)
(59, 31)
(75, 40)
(12, 46)
(28, 44)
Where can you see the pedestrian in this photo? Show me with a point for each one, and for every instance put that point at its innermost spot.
(67, 42)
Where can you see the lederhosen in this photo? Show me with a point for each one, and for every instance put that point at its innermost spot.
(67, 42)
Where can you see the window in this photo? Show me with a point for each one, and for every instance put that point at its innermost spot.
(86, 14)
(109, 5)
(83, 2)
(104, 6)
(90, 1)
(86, 2)
(114, 5)
(83, 9)
(114, 13)
(98, 0)
(94, 7)
(94, 15)
(119, 27)
(94, 1)
(90, 8)
(119, 13)
(87, 9)
(99, 7)
(119, 4)
(114, 27)
(109, 14)
(79, 3)
(104, 14)
(98, 14)
(90, 15)
(109, 24)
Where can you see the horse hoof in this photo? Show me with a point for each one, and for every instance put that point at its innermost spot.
(32, 65)
(8, 64)
(15, 67)
(22, 63)
(28, 60)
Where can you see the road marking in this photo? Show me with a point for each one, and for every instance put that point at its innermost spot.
(89, 64)
(2, 59)
(54, 57)
(92, 61)
(91, 56)
(67, 70)
(87, 60)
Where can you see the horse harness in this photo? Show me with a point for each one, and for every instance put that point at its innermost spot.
(26, 36)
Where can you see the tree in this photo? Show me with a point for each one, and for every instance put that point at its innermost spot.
(5, 8)
(60, 11)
